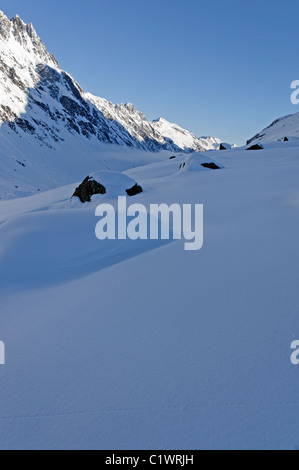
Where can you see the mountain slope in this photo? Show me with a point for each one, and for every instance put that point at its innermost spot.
(52, 132)
(39, 98)
(184, 139)
(287, 126)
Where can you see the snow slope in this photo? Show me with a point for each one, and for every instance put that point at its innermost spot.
(27, 168)
(287, 126)
(125, 345)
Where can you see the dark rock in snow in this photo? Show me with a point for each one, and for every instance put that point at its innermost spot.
(285, 139)
(25, 126)
(87, 189)
(224, 146)
(256, 147)
(172, 158)
(134, 190)
(211, 166)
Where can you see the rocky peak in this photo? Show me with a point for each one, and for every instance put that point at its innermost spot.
(130, 107)
(26, 36)
(18, 23)
(19, 30)
(31, 31)
(5, 26)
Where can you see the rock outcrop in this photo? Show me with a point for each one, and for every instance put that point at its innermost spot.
(256, 147)
(88, 188)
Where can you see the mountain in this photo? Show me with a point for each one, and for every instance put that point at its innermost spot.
(52, 132)
(287, 126)
(39, 98)
(184, 139)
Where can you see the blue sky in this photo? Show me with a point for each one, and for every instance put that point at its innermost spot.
(221, 68)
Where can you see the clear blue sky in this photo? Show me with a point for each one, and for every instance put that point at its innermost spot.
(221, 67)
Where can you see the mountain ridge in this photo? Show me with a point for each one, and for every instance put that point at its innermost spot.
(283, 127)
(38, 76)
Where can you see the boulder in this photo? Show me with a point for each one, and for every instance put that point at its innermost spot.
(136, 189)
(211, 166)
(111, 183)
(88, 188)
(256, 147)
(224, 146)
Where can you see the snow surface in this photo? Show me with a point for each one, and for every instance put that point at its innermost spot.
(26, 167)
(195, 162)
(141, 345)
(287, 126)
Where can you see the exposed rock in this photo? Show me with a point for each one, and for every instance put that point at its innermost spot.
(172, 158)
(6, 114)
(285, 139)
(87, 189)
(256, 147)
(224, 146)
(25, 126)
(16, 80)
(5, 26)
(134, 190)
(211, 166)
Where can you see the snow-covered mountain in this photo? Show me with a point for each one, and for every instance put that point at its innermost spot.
(183, 138)
(39, 99)
(287, 126)
(54, 133)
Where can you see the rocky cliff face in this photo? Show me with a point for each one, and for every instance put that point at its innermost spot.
(41, 100)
